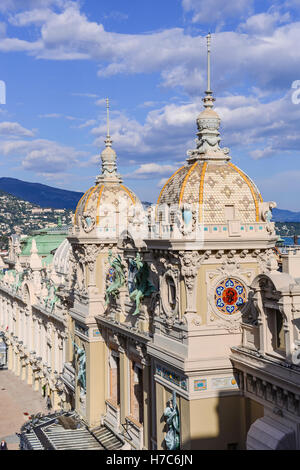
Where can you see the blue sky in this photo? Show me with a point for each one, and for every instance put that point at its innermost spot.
(60, 59)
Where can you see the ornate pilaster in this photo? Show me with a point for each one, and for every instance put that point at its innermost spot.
(190, 263)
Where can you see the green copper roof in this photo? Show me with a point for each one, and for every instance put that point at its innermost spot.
(46, 241)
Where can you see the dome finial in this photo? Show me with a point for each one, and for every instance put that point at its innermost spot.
(108, 141)
(107, 114)
(208, 123)
(208, 99)
(208, 38)
(108, 157)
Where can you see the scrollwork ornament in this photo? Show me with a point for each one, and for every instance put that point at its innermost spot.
(189, 267)
(190, 263)
(88, 223)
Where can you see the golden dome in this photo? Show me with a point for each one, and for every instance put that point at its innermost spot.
(108, 207)
(213, 186)
(100, 204)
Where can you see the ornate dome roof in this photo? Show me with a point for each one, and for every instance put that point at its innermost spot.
(108, 207)
(213, 186)
(99, 206)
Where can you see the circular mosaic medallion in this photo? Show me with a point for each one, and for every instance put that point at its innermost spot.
(230, 296)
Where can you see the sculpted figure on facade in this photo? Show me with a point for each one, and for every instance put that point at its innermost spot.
(81, 361)
(171, 414)
(142, 286)
(116, 277)
(266, 214)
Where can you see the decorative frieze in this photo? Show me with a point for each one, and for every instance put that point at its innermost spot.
(172, 377)
(276, 396)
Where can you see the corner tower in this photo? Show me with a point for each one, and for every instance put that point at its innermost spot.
(107, 213)
(209, 236)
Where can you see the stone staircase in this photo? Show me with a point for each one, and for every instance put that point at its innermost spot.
(107, 438)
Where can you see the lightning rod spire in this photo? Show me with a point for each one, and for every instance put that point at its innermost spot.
(208, 99)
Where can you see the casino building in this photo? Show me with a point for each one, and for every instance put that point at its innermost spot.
(176, 328)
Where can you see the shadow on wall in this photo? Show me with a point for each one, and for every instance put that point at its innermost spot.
(221, 423)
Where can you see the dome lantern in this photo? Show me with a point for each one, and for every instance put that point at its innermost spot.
(208, 123)
(209, 184)
(109, 158)
(107, 208)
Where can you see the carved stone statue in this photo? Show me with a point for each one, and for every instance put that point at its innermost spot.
(118, 279)
(171, 412)
(142, 286)
(266, 210)
(81, 359)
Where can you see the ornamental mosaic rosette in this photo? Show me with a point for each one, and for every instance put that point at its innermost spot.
(230, 296)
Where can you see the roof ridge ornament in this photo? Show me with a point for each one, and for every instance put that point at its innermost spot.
(208, 123)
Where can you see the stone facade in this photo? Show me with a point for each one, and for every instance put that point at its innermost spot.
(180, 310)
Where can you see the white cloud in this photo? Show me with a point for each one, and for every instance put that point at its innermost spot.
(17, 5)
(43, 156)
(261, 129)
(162, 182)
(85, 95)
(100, 102)
(89, 123)
(150, 170)
(19, 45)
(178, 56)
(35, 16)
(59, 116)
(50, 116)
(213, 11)
(14, 129)
(264, 23)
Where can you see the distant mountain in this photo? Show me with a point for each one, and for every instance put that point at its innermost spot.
(281, 215)
(47, 196)
(41, 194)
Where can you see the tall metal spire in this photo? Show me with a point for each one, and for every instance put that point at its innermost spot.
(108, 141)
(208, 123)
(107, 114)
(208, 37)
(208, 99)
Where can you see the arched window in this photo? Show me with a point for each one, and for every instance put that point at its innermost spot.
(171, 292)
(136, 392)
(276, 332)
(280, 344)
(114, 377)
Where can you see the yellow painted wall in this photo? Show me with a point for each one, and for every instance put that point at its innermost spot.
(124, 387)
(160, 422)
(95, 381)
(253, 411)
(217, 422)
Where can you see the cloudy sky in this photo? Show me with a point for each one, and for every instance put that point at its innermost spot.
(60, 59)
